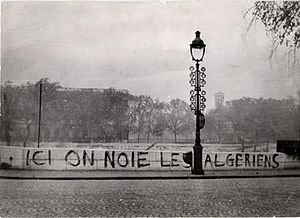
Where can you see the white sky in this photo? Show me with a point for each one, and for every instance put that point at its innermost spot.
(142, 47)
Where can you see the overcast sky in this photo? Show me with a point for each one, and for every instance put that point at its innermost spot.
(142, 47)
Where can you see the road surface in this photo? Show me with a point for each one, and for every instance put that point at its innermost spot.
(165, 198)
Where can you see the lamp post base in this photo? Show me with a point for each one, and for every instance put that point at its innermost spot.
(197, 160)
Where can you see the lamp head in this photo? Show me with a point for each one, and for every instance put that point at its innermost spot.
(197, 48)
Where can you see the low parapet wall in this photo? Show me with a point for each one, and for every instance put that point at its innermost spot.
(134, 160)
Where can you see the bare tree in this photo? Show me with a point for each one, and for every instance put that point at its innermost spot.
(178, 111)
(282, 21)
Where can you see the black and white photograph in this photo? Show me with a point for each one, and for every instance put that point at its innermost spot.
(162, 108)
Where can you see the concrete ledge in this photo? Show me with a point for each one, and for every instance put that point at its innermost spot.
(125, 175)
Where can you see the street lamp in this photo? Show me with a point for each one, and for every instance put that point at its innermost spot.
(197, 49)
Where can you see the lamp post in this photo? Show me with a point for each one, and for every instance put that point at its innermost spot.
(197, 49)
(40, 115)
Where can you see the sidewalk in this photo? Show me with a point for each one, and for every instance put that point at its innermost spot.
(122, 175)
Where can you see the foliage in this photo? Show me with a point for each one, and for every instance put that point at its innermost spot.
(282, 19)
(21, 108)
(95, 115)
(250, 120)
(216, 126)
(178, 117)
(139, 107)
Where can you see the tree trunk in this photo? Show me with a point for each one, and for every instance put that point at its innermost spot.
(8, 136)
(148, 132)
(91, 137)
(243, 147)
(138, 139)
(148, 136)
(27, 134)
(255, 143)
(218, 132)
(105, 136)
(175, 136)
(127, 136)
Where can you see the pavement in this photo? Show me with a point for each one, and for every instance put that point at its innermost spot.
(123, 175)
(242, 197)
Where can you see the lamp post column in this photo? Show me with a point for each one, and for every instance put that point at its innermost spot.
(197, 157)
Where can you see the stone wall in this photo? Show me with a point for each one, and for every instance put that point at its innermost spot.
(136, 160)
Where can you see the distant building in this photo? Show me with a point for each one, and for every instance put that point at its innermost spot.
(228, 104)
(219, 100)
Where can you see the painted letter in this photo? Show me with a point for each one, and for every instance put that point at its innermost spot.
(247, 160)
(77, 157)
(132, 159)
(34, 160)
(142, 159)
(125, 158)
(174, 160)
(229, 160)
(27, 157)
(253, 160)
(86, 157)
(111, 160)
(237, 159)
(208, 159)
(259, 159)
(274, 160)
(267, 160)
(162, 161)
(217, 162)
(49, 156)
